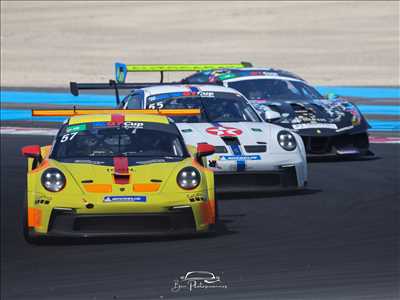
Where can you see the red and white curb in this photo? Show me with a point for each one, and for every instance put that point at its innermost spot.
(53, 132)
(384, 140)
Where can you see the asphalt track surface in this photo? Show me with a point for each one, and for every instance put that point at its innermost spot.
(337, 240)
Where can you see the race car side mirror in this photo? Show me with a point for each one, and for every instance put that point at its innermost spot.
(32, 151)
(271, 115)
(204, 149)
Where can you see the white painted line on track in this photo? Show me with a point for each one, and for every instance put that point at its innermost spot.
(384, 140)
(28, 131)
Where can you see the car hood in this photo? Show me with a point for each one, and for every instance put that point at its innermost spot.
(329, 115)
(248, 133)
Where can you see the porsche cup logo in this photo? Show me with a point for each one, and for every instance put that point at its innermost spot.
(224, 131)
(318, 131)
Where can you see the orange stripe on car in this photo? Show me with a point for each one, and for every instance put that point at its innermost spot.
(46, 151)
(44, 164)
(196, 164)
(145, 187)
(34, 217)
(208, 212)
(98, 188)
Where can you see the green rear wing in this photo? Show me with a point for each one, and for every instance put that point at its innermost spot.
(121, 69)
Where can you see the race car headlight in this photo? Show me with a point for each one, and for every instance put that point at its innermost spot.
(53, 180)
(287, 140)
(188, 178)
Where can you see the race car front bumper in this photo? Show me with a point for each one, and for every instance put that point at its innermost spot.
(274, 180)
(343, 145)
(68, 223)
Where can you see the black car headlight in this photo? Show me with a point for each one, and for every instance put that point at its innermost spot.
(53, 180)
(188, 178)
(287, 140)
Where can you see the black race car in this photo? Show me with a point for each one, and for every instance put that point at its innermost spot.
(329, 126)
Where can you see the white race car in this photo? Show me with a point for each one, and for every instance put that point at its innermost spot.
(250, 154)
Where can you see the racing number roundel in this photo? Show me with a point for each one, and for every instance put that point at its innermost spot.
(224, 131)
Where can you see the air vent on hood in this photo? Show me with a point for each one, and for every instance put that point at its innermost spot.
(220, 149)
(231, 140)
(255, 148)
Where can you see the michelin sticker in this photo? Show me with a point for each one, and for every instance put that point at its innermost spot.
(314, 125)
(124, 199)
(240, 157)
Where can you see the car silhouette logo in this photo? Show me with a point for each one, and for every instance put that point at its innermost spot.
(205, 276)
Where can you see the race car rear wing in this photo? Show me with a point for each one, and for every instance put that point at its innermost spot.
(81, 112)
(113, 85)
(121, 69)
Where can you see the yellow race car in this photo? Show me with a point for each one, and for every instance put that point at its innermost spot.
(117, 174)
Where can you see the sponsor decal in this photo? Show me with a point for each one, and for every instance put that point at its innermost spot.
(192, 93)
(225, 76)
(240, 157)
(75, 128)
(133, 125)
(212, 163)
(224, 131)
(345, 128)
(314, 125)
(270, 74)
(124, 199)
(206, 94)
(99, 124)
(256, 129)
(198, 280)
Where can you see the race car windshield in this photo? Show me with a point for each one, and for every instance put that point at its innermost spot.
(275, 89)
(131, 139)
(214, 106)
